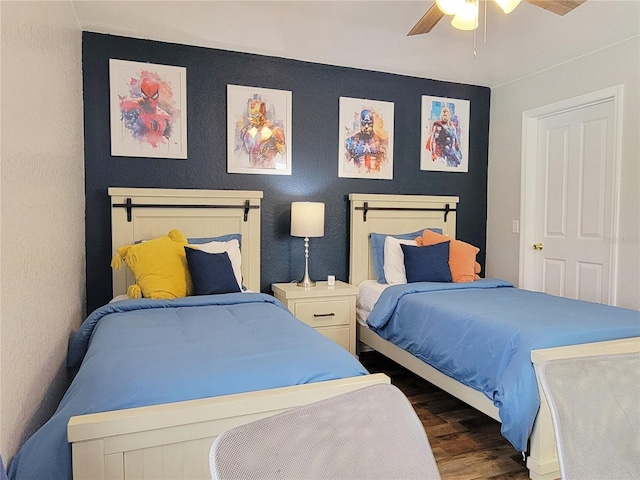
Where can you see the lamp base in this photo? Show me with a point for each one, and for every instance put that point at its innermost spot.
(306, 281)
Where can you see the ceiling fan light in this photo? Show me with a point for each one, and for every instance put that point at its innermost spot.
(508, 6)
(449, 7)
(467, 16)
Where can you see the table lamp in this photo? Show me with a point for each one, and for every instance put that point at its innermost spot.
(307, 220)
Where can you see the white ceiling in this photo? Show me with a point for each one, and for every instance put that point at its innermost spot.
(372, 35)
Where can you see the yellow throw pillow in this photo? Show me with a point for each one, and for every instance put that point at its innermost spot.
(159, 266)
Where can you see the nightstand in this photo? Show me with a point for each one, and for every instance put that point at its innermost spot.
(330, 310)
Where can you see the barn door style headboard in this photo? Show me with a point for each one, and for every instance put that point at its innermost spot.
(376, 213)
(139, 214)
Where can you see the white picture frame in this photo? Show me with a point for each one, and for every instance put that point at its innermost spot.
(148, 108)
(366, 139)
(444, 143)
(258, 130)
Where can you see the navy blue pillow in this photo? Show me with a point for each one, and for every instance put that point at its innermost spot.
(377, 248)
(427, 264)
(211, 273)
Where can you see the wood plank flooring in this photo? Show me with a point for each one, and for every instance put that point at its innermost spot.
(467, 444)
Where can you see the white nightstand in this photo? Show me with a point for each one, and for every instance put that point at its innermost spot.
(330, 310)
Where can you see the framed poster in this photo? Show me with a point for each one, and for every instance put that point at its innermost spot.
(148, 110)
(366, 139)
(445, 134)
(258, 130)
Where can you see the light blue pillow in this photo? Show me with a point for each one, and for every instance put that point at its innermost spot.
(427, 264)
(377, 248)
(221, 238)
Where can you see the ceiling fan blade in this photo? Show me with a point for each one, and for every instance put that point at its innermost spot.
(559, 7)
(427, 22)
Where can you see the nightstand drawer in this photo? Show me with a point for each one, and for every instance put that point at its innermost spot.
(340, 335)
(319, 313)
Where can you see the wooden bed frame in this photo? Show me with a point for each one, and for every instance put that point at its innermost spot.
(173, 440)
(407, 213)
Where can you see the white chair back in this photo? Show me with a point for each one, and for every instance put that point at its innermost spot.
(371, 433)
(595, 410)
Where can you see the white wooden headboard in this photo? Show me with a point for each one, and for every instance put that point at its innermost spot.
(195, 213)
(375, 213)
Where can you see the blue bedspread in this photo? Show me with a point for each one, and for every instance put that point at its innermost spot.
(482, 334)
(145, 352)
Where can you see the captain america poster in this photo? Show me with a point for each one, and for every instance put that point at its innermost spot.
(366, 139)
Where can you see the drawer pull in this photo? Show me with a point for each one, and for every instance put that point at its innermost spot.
(324, 314)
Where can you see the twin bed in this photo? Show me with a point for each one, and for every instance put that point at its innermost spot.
(160, 379)
(475, 340)
(218, 361)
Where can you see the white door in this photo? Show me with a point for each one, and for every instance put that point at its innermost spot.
(573, 212)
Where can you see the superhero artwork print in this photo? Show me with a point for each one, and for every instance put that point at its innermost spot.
(148, 110)
(366, 139)
(445, 134)
(258, 130)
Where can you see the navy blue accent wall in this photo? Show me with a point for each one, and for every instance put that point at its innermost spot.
(316, 89)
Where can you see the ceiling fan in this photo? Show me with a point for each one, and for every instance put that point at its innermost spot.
(466, 12)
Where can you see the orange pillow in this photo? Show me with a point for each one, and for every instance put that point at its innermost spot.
(462, 256)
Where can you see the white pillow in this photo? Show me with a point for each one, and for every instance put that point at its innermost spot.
(117, 298)
(394, 270)
(232, 247)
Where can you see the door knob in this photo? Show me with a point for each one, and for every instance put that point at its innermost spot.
(538, 246)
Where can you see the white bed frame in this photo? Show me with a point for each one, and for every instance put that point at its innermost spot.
(173, 440)
(407, 213)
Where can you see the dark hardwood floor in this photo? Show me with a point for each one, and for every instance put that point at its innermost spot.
(466, 443)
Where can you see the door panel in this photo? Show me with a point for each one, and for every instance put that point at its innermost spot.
(555, 178)
(590, 282)
(593, 176)
(554, 276)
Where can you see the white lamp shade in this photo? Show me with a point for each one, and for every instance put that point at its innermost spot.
(467, 16)
(449, 7)
(307, 219)
(508, 6)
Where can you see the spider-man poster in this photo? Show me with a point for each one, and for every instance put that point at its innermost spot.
(148, 110)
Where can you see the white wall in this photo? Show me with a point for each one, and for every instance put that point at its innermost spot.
(41, 211)
(619, 64)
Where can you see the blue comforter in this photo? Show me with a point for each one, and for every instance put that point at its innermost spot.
(145, 352)
(482, 334)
